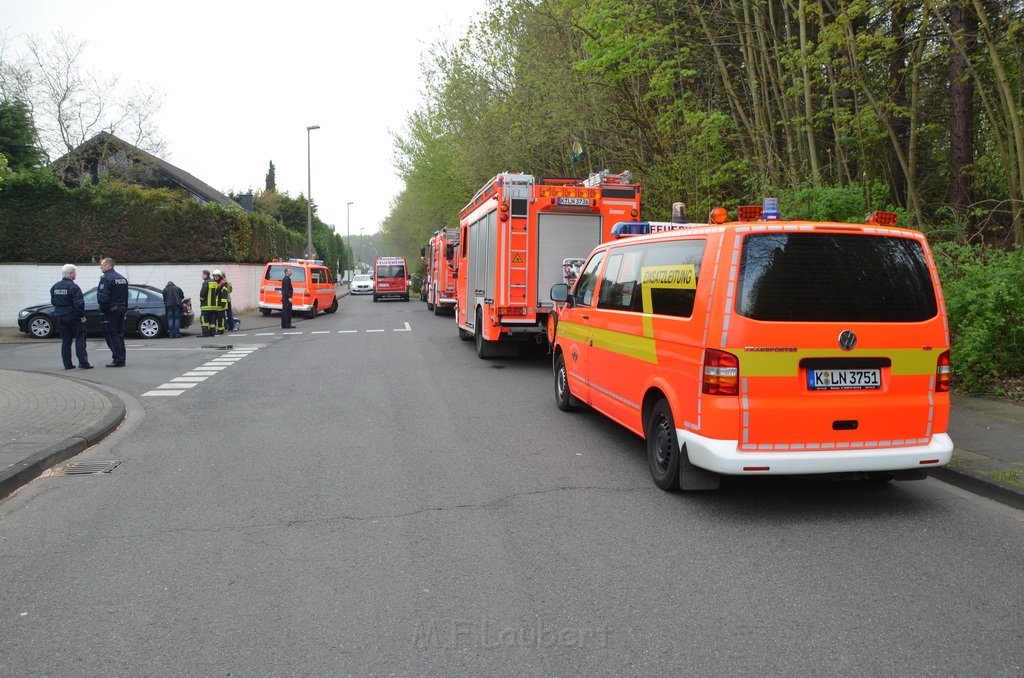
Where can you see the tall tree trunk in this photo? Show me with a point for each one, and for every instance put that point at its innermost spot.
(812, 146)
(964, 24)
(898, 97)
(1013, 123)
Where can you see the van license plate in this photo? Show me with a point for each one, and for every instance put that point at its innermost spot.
(841, 380)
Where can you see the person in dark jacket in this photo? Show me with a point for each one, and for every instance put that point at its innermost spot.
(286, 300)
(173, 298)
(112, 297)
(69, 307)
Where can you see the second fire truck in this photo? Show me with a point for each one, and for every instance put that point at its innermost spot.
(439, 257)
(514, 237)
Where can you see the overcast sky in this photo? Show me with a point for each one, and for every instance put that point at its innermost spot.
(242, 79)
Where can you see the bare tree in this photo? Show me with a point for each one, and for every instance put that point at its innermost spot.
(71, 104)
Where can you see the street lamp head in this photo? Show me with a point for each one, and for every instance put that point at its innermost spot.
(312, 127)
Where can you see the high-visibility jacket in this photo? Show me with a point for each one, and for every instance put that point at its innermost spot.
(225, 295)
(209, 296)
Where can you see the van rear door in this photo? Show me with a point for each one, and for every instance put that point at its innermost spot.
(838, 334)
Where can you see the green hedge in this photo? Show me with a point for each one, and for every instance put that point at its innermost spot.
(984, 290)
(42, 221)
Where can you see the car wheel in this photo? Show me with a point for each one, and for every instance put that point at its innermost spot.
(41, 327)
(662, 447)
(334, 306)
(563, 397)
(311, 313)
(265, 311)
(150, 327)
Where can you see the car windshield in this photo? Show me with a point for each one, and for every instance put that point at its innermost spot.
(362, 278)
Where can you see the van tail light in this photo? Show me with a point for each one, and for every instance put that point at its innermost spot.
(721, 373)
(943, 373)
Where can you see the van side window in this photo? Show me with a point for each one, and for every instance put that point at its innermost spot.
(315, 273)
(619, 283)
(668, 277)
(584, 290)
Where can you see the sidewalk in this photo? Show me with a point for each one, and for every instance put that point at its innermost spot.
(46, 419)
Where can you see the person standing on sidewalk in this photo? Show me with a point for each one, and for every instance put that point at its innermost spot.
(286, 300)
(173, 298)
(112, 297)
(209, 305)
(69, 307)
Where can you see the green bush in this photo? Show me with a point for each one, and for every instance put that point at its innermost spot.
(984, 291)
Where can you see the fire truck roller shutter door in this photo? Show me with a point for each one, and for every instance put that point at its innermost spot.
(559, 237)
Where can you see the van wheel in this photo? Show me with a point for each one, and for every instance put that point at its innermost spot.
(311, 313)
(430, 306)
(563, 397)
(375, 298)
(265, 311)
(484, 348)
(334, 306)
(662, 447)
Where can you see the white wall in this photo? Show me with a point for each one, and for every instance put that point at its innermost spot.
(24, 285)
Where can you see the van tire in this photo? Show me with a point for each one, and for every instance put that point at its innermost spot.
(334, 306)
(564, 398)
(662, 447)
(311, 313)
(265, 312)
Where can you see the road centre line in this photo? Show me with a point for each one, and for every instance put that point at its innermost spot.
(174, 386)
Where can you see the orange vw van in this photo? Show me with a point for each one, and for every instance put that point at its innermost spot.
(314, 288)
(762, 346)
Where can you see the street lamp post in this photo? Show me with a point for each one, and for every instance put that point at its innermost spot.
(348, 233)
(309, 196)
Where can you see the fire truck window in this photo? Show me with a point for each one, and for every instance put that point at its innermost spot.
(584, 292)
(619, 282)
(670, 298)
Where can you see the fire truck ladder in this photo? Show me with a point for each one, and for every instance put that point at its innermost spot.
(517, 265)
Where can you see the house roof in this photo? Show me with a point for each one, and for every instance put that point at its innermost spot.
(105, 145)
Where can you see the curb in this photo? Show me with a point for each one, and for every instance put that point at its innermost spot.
(31, 468)
(981, 484)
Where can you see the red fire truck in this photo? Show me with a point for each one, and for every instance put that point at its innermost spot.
(514, 237)
(438, 287)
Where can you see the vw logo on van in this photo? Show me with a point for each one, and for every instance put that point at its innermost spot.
(847, 340)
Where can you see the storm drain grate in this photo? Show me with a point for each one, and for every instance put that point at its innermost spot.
(85, 468)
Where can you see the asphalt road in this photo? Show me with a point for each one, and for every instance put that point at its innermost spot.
(366, 497)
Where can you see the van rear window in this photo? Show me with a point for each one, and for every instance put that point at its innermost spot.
(834, 277)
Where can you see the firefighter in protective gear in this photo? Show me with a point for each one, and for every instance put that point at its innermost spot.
(209, 305)
(222, 300)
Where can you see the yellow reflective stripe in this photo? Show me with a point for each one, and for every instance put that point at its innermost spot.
(905, 361)
(641, 348)
(623, 343)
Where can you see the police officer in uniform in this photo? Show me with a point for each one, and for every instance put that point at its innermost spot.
(69, 307)
(112, 297)
(286, 300)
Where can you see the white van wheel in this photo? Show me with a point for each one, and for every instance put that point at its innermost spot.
(563, 397)
(662, 447)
